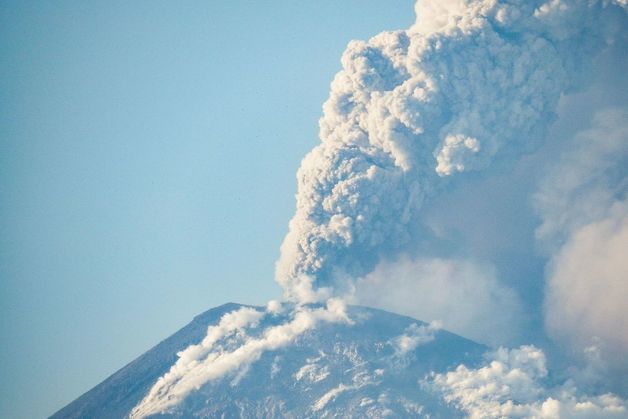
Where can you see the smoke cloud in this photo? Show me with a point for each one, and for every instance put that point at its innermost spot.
(511, 385)
(584, 208)
(469, 82)
(464, 295)
(415, 336)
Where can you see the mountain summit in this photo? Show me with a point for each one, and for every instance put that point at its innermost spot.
(374, 367)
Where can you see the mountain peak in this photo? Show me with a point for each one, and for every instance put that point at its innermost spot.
(371, 367)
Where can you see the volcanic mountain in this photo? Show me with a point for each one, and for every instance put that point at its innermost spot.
(378, 364)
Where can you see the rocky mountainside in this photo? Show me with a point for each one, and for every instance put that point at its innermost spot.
(375, 367)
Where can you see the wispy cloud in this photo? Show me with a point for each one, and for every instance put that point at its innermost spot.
(584, 209)
(464, 295)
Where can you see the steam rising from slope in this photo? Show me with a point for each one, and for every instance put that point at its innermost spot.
(470, 81)
(229, 348)
(511, 386)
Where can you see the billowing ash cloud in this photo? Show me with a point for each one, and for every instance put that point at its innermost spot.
(470, 81)
(511, 385)
(583, 203)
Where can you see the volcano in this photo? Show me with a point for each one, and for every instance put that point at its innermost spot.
(376, 366)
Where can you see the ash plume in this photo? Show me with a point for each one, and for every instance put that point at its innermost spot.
(470, 82)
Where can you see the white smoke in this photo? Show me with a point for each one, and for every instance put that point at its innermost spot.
(465, 295)
(584, 208)
(415, 336)
(587, 181)
(471, 80)
(512, 385)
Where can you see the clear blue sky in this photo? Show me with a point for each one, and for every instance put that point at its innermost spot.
(147, 160)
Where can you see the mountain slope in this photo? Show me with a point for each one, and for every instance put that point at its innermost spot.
(372, 368)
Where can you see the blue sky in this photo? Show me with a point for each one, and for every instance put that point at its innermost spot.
(147, 170)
